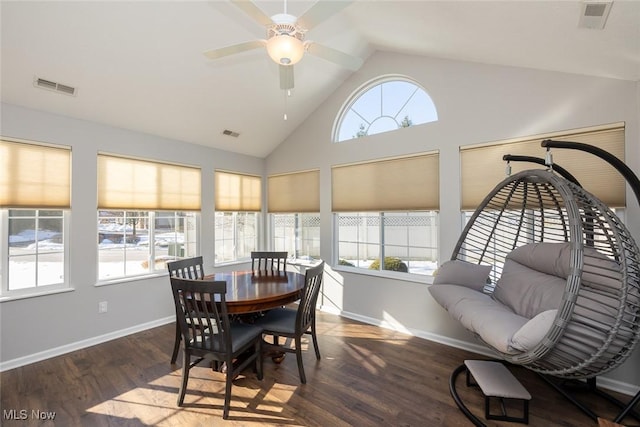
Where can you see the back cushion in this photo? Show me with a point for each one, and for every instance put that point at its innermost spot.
(549, 258)
(534, 278)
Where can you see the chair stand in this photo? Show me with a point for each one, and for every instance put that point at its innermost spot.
(567, 389)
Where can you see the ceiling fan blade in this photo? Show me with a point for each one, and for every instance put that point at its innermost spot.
(236, 48)
(286, 77)
(253, 11)
(347, 61)
(321, 11)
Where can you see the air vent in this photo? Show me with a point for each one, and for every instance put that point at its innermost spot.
(230, 133)
(56, 87)
(594, 14)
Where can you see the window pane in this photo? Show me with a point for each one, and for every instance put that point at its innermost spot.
(297, 234)
(36, 248)
(123, 243)
(236, 235)
(408, 245)
(384, 107)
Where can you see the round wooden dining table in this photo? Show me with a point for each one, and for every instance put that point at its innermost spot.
(249, 292)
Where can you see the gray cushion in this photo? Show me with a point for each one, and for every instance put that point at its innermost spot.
(479, 313)
(462, 273)
(278, 320)
(549, 258)
(532, 332)
(528, 292)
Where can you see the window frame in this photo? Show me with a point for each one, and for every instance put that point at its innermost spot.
(298, 217)
(7, 294)
(152, 271)
(407, 276)
(236, 258)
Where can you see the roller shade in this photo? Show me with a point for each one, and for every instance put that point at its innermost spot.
(482, 167)
(294, 192)
(126, 183)
(237, 192)
(34, 176)
(399, 184)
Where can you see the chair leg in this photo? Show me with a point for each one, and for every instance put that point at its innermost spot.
(176, 345)
(259, 364)
(186, 366)
(227, 390)
(303, 378)
(315, 341)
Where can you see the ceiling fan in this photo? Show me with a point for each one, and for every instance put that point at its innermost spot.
(285, 42)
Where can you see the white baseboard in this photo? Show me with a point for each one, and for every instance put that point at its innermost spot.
(603, 381)
(78, 345)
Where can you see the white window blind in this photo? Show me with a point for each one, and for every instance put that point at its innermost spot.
(237, 192)
(294, 192)
(482, 167)
(398, 184)
(34, 176)
(133, 184)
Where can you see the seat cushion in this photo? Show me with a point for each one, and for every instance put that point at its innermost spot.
(492, 321)
(278, 320)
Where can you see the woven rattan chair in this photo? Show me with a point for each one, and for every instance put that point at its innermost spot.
(597, 322)
(581, 252)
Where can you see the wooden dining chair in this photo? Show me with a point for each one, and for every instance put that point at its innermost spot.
(216, 338)
(265, 262)
(188, 268)
(294, 323)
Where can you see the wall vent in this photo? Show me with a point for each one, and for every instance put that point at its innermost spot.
(594, 14)
(230, 133)
(56, 87)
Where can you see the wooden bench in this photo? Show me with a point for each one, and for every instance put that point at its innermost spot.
(497, 382)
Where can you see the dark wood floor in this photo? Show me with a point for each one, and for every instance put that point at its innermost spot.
(368, 376)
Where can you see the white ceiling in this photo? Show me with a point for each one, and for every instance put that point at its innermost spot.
(138, 64)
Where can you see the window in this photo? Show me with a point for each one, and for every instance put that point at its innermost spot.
(298, 234)
(397, 241)
(35, 198)
(147, 215)
(384, 105)
(386, 214)
(294, 206)
(236, 235)
(124, 241)
(237, 203)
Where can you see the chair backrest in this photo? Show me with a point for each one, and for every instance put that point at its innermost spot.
(307, 306)
(268, 262)
(201, 313)
(188, 268)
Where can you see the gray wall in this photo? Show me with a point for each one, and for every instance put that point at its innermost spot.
(476, 103)
(33, 328)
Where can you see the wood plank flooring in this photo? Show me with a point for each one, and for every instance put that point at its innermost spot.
(368, 376)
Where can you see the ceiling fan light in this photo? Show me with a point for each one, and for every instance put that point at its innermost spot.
(285, 49)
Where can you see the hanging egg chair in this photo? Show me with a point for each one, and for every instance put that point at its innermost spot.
(572, 261)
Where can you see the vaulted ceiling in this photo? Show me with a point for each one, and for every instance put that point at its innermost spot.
(139, 65)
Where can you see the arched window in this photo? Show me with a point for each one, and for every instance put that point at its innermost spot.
(383, 105)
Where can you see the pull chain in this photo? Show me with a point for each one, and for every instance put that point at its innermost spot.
(285, 104)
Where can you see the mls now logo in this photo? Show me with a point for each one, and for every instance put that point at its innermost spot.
(23, 414)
